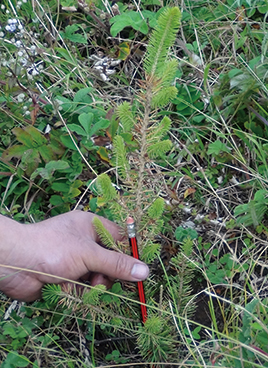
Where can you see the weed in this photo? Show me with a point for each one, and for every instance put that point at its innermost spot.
(108, 108)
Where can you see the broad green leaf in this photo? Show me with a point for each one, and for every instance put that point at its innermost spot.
(56, 146)
(60, 187)
(119, 22)
(57, 165)
(102, 152)
(217, 147)
(72, 36)
(30, 160)
(36, 135)
(13, 359)
(67, 104)
(123, 50)
(23, 137)
(83, 96)
(263, 8)
(77, 184)
(56, 200)
(86, 120)
(77, 38)
(77, 129)
(43, 172)
(130, 19)
(73, 192)
(101, 124)
(47, 171)
(68, 142)
(261, 195)
(13, 151)
(46, 153)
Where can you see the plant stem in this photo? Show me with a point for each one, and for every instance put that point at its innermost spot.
(143, 153)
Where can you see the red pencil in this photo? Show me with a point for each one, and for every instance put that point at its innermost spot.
(133, 243)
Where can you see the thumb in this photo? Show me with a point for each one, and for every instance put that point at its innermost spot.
(118, 265)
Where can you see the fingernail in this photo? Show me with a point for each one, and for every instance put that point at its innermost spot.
(140, 271)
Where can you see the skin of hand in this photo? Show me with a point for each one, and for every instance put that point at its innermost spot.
(65, 246)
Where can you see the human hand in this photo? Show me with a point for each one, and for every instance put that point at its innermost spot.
(65, 246)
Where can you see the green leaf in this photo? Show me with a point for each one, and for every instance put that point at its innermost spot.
(46, 153)
(126, 116)
(83, 95)
(77, 129)
(57, 165)
(247, 317)
(164, 96)
(103, 154)
(13, 151)
(162, 38)
(51, 293)
(104, 235)
(47, 171)
(13, 359)
(181, 234)
(150, 252)
(30, 161)
(23, 137)
(101, 124)
(120, 157)
(72, 36)
(106, 187)
(261, 196)
(217, 147)
(68, 142)
(86, 120)
(36, 135)
(158, 149)
(263, 9)
(61, 187)
(67, 105)
(119, 22)
(130, 19)
(56, 200)
(141, 26)
(156, 209)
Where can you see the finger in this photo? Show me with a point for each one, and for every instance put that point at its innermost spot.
(99, 279)
(114, 265)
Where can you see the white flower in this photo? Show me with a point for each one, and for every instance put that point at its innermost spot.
(11, 28)
(12, 21)
(23, 61)
(3, 7)
(2, 34)
(21, 97)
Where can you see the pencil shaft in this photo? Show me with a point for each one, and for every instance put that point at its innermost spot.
(135, 253)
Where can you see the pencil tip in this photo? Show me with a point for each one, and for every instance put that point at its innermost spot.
(130, 221)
